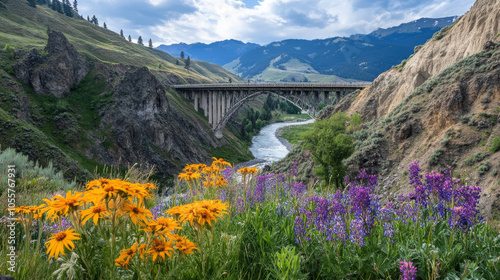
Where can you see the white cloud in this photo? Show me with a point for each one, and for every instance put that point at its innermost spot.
(173, 21)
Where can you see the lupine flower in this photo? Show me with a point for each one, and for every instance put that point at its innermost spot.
(357, 232)
(408, 271)
(300, 230)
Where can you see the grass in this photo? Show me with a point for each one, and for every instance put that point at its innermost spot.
(294, 134)
(25, 27)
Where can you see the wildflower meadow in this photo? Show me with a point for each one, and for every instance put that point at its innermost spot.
(224, 223)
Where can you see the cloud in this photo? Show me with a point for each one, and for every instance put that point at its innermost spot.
(261, 21)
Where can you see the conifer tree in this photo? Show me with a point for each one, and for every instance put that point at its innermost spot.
(32, 3)
(139, 41)
(59, 7)
(188, 63)
(75, 6)
(88, 18)
(150, 43)
(182, 54)
(41, 2)
(105, 26)
(121, 33)
(129, 38)
(94, 20)
(67, 8)
(176, 62)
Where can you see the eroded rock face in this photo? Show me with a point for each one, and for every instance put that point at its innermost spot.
(473, 32)
(56, 70)
(147, 129)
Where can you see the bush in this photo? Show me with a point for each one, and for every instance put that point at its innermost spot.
(434, 158)
(29, 174)
(484, 168)
(495, 145)
(445, 141)
(9, 51)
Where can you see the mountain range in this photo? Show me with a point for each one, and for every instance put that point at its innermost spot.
(221, 52)
(357, 57)
(361, 57)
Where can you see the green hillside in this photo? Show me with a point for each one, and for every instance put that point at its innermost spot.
(22, 26)
(120, 113)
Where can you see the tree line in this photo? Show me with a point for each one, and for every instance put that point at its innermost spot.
(71, 10)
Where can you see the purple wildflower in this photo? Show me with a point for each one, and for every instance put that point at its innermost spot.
(408, 271)
(357, 232)
(300, 230)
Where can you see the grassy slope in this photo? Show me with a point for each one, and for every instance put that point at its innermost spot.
(25, 27)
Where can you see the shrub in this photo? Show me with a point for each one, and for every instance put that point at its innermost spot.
(9, 51)
(445, 141)
(434, 158)
(495, 145)
(484, 168)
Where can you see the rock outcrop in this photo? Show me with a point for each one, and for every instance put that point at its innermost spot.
(467, 36)
(56, 70)
(440, 108)
(146, 129)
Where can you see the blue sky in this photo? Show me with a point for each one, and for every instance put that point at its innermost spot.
(260, 21)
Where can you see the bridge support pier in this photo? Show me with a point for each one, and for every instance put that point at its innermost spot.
(196, 96)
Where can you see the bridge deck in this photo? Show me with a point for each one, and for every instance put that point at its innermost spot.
(264, 86)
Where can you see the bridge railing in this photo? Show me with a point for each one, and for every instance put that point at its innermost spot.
(274, 85)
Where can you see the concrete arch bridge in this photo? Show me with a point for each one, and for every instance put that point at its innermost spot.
(220, 101)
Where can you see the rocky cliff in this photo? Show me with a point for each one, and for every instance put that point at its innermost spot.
(146, 129)
(441, 107)
(466, 37)
(54, 71)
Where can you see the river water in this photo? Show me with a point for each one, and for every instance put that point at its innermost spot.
(266, 147)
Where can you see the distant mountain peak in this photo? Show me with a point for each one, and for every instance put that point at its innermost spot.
(220, 52)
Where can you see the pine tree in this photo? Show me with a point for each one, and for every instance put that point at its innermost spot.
(67, 8)
(59, 7)
(188, 63)
(139, 41)
(105, 26)
(75, 6)
(150, 43)
(182, 54)
(129, 38)
(121, 33)
(88, 18)
(176, 62)
(32, 3)
(94, 20)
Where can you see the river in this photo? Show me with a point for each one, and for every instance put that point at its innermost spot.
(266, 147)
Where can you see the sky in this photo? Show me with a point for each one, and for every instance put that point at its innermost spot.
(259, 21)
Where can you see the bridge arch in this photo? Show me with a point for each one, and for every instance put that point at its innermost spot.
(222, 123)
(220, 101)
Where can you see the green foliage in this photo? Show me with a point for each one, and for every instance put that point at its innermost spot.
(329, 144)
(495, 145)
(287, 264)
(30, 175)
(321, 105)
(484, 168)
(187, 63)
(8, 50)
(295, 134)
(445, 141)
(434, 157)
